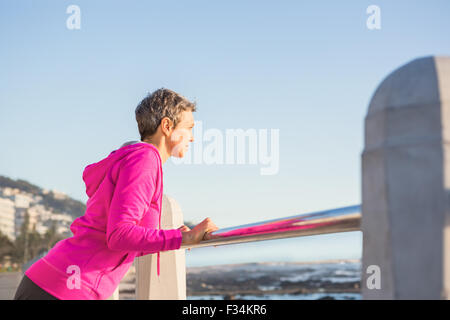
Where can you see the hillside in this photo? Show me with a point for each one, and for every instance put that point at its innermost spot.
(50, 200)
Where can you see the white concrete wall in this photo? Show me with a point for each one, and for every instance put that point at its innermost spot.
(171, 284)
(406, 183)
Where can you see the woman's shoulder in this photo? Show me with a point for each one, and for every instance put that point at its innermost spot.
(144, 158)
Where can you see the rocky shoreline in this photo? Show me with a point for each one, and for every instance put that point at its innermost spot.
(265, 279)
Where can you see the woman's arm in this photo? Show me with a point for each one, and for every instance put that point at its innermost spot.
(183, 228)
(135, 186)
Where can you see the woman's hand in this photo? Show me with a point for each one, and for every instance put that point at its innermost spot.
(184, 228)
(200, 232)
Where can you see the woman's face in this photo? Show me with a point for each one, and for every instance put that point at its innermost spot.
(182, 135)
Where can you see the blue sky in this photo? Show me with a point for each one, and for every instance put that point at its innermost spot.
(307, 68)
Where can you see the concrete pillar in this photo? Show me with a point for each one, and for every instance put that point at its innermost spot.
(171, 284)
(406, 183)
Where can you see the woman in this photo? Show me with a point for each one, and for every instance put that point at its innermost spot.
(123, 213)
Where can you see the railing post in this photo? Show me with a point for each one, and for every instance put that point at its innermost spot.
(406, 183)
(171, 284)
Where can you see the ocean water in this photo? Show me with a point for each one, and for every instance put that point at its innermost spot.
(313, 296)
(325, 279)
(269, 281)
(293, 260)
(332, 258)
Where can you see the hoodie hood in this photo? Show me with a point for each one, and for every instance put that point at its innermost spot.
(114, 230)
(95, 173)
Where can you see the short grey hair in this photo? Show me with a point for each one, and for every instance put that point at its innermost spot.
(157, 105)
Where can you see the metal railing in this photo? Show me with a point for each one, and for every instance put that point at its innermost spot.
(172, 285)
(322, 222)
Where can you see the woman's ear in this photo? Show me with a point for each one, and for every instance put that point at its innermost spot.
(166, 126)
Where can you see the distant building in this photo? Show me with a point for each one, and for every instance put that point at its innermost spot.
(39, 218)
(7, 218)
(23, 200)
(15, 203)
(19, 219)
(9, 192)
(59, 195)
(26, 203)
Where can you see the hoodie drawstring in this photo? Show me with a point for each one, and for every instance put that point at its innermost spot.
(160, 211)
(157, 267)
(158, 264)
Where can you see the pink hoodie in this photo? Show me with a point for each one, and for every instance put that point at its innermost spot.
(120, 223)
